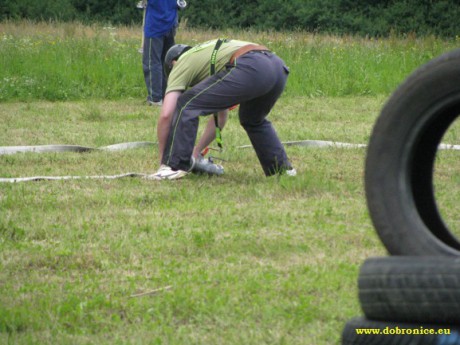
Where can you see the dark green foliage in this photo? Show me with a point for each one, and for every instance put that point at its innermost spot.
(37, 10)
(357, 17)
(361, 17)
(113, 11)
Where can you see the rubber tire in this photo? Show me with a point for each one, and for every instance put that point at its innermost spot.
(400, 160)
(349, 336)
(411, 289)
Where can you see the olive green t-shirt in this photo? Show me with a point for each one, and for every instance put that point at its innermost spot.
(195, 64)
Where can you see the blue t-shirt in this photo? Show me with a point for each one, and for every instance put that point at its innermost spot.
(160, 17)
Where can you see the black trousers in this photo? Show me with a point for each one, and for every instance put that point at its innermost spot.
(255, 81)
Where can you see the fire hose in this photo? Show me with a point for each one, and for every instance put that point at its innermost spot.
(9, 150)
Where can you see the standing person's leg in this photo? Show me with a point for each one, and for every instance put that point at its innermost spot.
(168, 42)
(153, 68)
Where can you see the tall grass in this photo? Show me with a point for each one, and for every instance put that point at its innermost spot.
(70, 62)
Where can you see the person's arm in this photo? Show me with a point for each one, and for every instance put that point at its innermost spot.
(165, 119)
(209, 133)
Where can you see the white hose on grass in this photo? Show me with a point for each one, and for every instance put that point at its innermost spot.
(9, 150)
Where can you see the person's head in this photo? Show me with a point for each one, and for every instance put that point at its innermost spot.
(172, 55)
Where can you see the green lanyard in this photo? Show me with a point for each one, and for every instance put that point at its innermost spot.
(212, 72)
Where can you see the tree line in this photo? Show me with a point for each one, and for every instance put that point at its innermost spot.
(373, 18)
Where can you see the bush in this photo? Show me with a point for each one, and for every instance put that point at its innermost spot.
(373, 18)
(62, 10)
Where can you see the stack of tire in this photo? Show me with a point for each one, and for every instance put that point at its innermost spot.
(413, 295)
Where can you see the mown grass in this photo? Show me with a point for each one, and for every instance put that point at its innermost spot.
(239, 259)
(235, 259)
(243, 258)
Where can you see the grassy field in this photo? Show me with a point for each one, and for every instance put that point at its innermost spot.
(55, 61)
(238, 259)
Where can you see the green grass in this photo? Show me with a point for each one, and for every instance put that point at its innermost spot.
(72, 62)
(71, 66)
(238, 259)
(245, 259)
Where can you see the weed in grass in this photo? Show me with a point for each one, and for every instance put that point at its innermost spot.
(11, 232)
(92, 113)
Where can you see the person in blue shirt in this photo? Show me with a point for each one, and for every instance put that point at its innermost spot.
(161, 20)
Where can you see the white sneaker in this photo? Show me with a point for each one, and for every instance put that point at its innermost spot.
(291, 172)
(152, 103)
(166, 173)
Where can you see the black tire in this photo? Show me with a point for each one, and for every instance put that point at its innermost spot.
(411, 289)
(350, 335)
(400, 160)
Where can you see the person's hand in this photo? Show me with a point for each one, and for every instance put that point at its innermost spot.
(181, 4)
(142, 4)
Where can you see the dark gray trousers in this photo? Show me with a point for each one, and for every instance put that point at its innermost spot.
(153, 55)
(255, 82)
